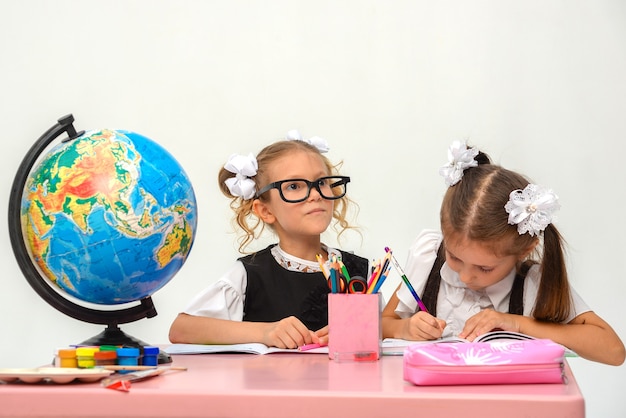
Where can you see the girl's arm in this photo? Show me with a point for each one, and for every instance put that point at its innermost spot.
(287, 333)
(420, 326)
(587, 335)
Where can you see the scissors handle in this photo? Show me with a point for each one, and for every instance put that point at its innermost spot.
(355, 285)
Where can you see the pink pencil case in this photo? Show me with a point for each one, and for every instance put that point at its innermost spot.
(498, 362)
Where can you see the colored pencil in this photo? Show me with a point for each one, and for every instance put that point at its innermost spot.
(344, 270)
(378, 280)
(322, 266)
(406, 281)
(333, 278)
(374, 274)
(382, 279)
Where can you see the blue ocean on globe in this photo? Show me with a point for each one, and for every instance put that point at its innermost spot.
(109, 217)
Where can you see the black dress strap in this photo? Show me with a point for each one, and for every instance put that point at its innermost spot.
(431, 290)
(516, 301)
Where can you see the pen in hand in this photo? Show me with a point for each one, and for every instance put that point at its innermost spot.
(406, 281)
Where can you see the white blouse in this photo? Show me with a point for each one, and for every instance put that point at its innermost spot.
(456, 303)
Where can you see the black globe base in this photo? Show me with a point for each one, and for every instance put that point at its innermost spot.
(113, 335)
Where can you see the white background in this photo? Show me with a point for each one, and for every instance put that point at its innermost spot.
(539, 85)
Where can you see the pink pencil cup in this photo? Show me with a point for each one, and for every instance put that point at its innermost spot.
(354, 332)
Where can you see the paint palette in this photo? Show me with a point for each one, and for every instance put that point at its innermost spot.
(53, 374)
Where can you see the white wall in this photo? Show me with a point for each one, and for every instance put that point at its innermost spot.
(540, 85)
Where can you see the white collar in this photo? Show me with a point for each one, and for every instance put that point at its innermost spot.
(294, 263)
(497, 293)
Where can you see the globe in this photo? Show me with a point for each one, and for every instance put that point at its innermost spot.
(103, 218)
(109, 217)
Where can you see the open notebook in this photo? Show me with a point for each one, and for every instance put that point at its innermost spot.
(390, 346)
(394, 346)
(251, 348)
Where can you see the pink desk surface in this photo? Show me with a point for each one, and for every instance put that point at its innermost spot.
(288, 385)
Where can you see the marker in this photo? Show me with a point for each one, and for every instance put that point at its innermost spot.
(307, 347)
(406, 280)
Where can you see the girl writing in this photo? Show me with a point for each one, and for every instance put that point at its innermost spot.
(276, 296)
(478, 273)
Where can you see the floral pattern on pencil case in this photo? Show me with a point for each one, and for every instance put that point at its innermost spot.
(493, 353)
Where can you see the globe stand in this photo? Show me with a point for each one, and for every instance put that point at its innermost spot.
(112, 335)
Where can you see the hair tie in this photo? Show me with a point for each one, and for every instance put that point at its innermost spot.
(316, 141)
(532, 209)
(244, 167)
(459, 158)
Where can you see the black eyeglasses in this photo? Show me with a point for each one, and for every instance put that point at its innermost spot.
(299, 190)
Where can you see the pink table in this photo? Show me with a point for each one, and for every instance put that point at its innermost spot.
(288, 385)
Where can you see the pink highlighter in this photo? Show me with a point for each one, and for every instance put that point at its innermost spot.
(307, 347)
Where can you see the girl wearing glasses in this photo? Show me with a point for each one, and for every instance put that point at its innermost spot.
(276, 296)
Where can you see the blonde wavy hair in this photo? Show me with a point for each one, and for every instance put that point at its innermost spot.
(245, 217)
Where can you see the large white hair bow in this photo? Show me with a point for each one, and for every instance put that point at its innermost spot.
(459, 158)
(532, 209)
(316, 141)
(244, 167)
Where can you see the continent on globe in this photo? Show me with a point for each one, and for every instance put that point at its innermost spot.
(109, 217)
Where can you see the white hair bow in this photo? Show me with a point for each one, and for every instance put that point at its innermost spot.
(459, 158)
(532, 209)
(316, 141)
(244, 167)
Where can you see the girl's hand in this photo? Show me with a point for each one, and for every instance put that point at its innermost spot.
(321, 336)
(423, 326)
(488, 320)
(287, 333)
